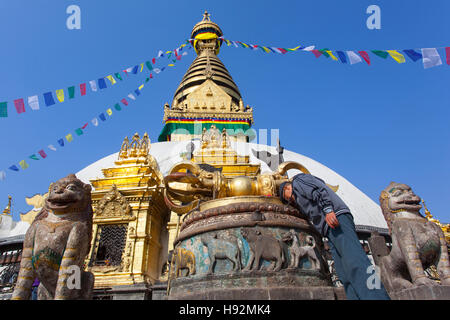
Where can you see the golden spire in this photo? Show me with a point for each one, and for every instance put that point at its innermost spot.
(206, 16)
(8, 207)
(445, 227)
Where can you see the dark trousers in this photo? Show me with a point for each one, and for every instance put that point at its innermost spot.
(351, 262)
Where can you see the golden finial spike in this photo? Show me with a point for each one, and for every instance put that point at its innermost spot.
(8, 207)
(206, 16)
(427, 212)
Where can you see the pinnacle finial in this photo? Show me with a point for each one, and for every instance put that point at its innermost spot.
(206, 16)
(8, 207)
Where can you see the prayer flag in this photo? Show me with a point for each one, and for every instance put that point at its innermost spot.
(149, 65)
(153, 60)
(51, 147)
(141, 86)
(2, 175)
(33, 102)
(79, 131)
(61, 142)
(102, 116)
(131, 96)
(124, 101)
(135, 69)
(331, 55)
(162, 69)
(447, 51)
(397, 56)
(14, 168)
(60, 95)
(353, 57)
(317, 53)
(101, 83)
(33, 157)
(413, 55)
(171, 65)
(430, 58)
(93, 85)
(109, 112)
(160, 54)
(325, 52)
(118, 76)
(71, 91)
(3, 109)
(110, 78)
(151, 76)
(365, 56)
(48, 98)
(380, 53)
(20, 106)
(23, 164)
(69, 137)
(157, 70)
(117, 107)
(310, 48)
(342, 56)
(137, 92)
(142, 67)
(84, 126)
(43, 154)
(95, 121)
(83, 89)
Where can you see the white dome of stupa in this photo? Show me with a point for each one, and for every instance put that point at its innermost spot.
(366, 212)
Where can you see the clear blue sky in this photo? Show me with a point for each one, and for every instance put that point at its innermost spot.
(371, 124)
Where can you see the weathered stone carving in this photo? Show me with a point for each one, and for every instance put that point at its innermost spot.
(57, 243)
(113, 203)
(221, 249)
(298, 252)
(263, 247)
(416, 242)
(183, 259)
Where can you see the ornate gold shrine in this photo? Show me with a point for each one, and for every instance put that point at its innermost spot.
(129, 219)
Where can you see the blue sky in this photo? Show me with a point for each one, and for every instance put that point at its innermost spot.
(371, 124)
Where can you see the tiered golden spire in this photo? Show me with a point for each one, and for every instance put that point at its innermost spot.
(7, 209)
(207, 91)
(445, 227)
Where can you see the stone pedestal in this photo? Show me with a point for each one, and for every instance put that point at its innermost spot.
(422, 293)
(256, 285)
(247, 248)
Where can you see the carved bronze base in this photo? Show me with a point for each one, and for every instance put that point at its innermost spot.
(256, 285)
(249, 247)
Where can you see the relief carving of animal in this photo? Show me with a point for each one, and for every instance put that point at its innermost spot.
(416, 242)
(221, 249)
(57, 241)
(263, 247)
(298, 252)
(184, 260)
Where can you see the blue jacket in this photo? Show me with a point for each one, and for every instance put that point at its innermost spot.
(315, 199)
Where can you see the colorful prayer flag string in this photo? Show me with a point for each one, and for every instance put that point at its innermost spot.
(430, 56)
(78, 131)
(49, 97)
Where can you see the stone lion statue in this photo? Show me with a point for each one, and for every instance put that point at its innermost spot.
(57, 243)
(416, 242)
